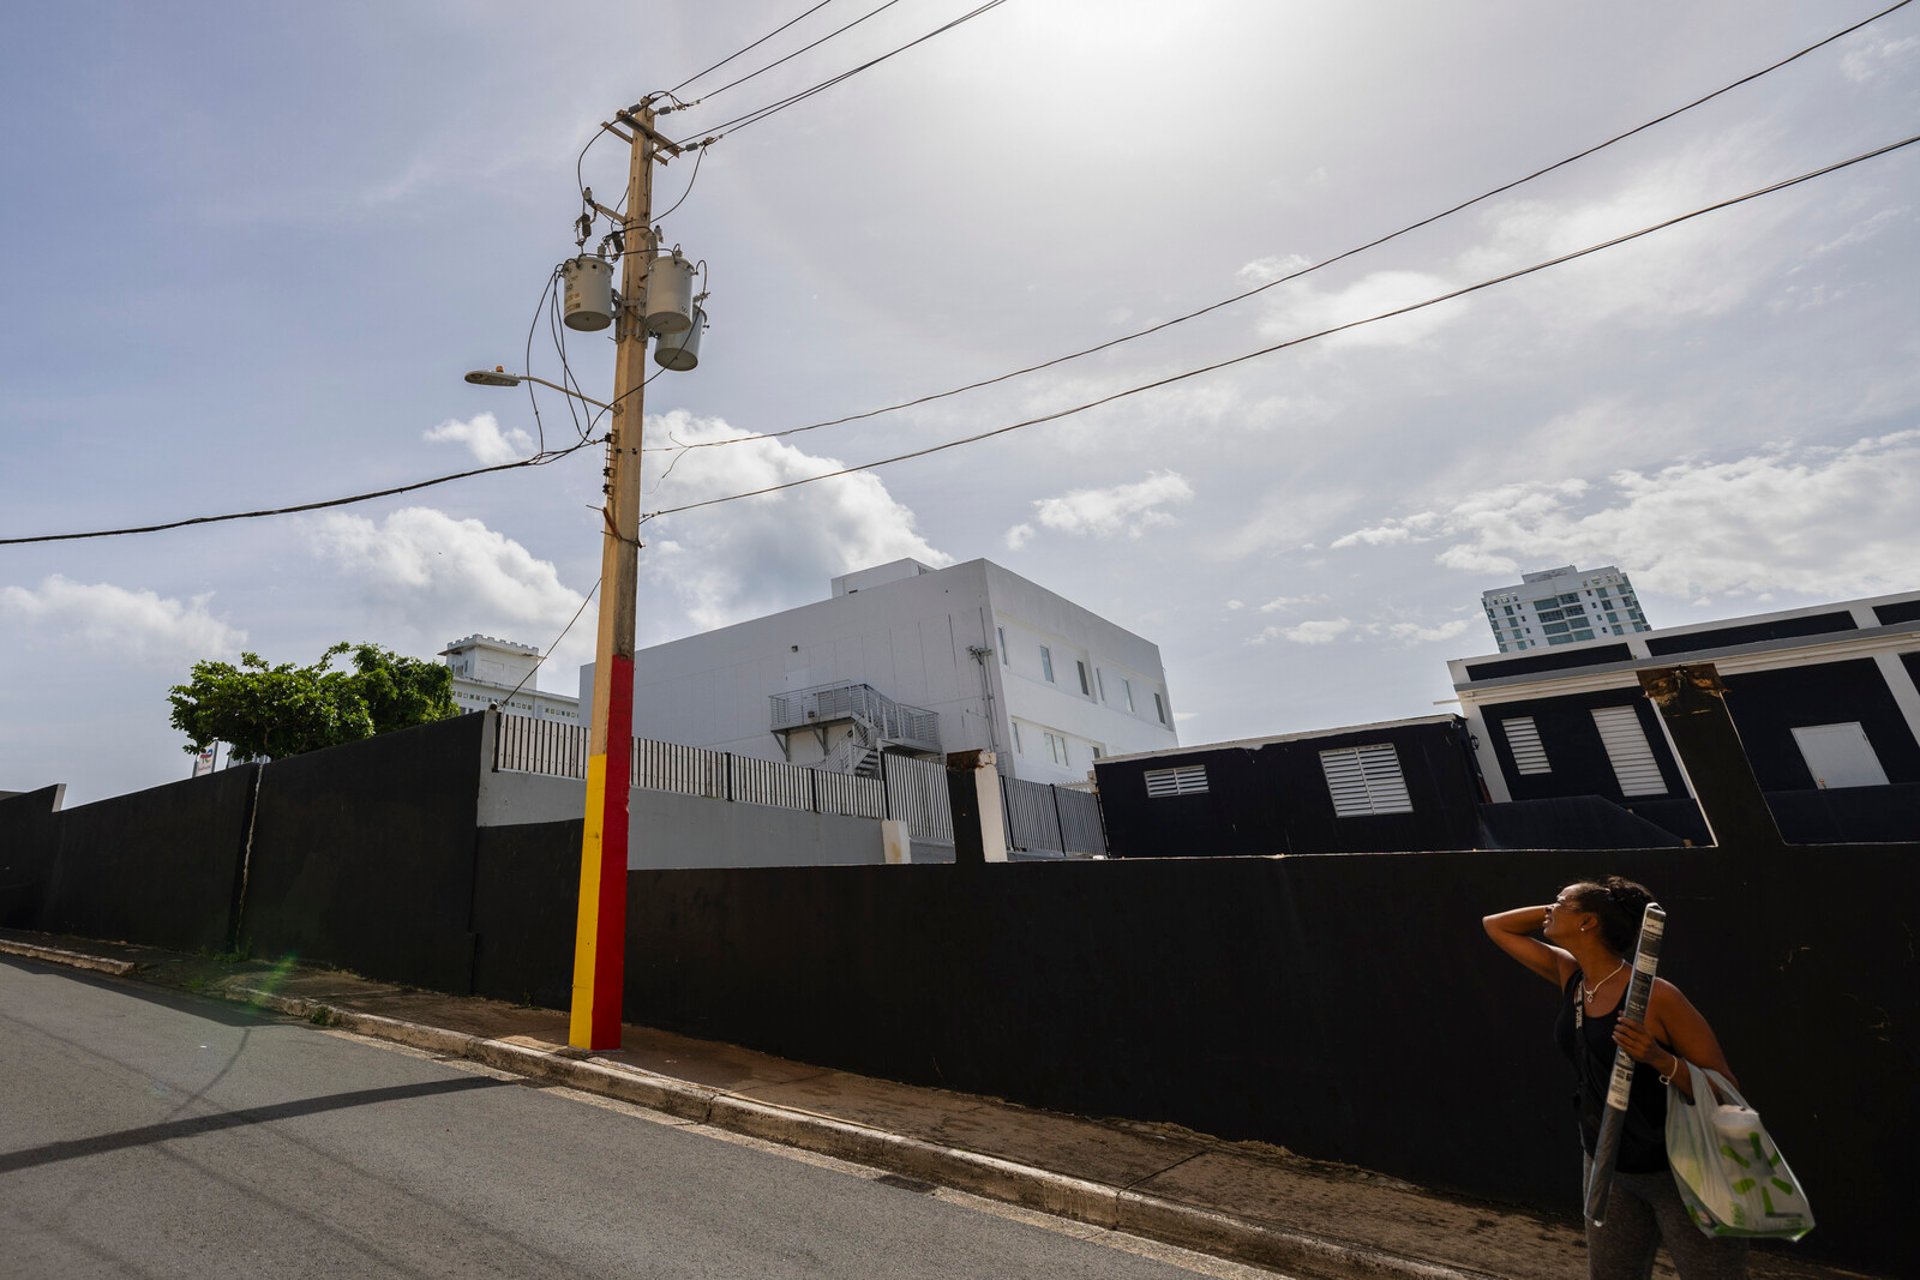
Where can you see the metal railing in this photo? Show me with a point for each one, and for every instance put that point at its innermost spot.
(915, 727)
(1039, 816)
(525, 745)
(1047, 817)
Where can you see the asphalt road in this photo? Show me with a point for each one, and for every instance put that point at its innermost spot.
(147, 1133)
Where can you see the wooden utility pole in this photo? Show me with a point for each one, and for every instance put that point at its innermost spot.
(600, 940)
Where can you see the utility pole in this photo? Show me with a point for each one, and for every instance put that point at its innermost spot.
(600, 939)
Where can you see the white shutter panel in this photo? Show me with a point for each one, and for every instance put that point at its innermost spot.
(1626, 743)
(1185, 780)
(1365, 780)
(1523, 739)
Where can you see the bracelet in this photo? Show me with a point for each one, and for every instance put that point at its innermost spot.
(1677, 1062)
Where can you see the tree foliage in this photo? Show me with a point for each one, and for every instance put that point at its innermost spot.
(266, 712)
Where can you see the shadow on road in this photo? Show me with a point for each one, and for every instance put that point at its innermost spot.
(146, 1135)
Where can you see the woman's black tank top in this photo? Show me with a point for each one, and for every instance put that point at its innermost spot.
(1590, 1048)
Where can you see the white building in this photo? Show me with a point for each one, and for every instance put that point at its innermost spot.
(489, 672)
(1563, 606)
(907, 658)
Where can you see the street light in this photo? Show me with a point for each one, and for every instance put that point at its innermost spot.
(499, 377)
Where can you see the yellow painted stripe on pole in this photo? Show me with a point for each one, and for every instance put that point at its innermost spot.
(587, 925)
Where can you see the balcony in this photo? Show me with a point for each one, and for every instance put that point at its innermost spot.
(891, 723)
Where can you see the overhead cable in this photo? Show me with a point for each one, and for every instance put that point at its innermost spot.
(537, 460)
(1324, 263)
(749, 48)
(714, 133)
(1294, 342)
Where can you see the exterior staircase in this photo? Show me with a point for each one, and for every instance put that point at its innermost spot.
(873, 723)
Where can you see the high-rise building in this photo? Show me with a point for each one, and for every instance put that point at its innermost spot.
(499, 673)
(1563, 606)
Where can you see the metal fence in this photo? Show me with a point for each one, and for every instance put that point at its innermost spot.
(916, 792)
(525, 745)
(1039, 816)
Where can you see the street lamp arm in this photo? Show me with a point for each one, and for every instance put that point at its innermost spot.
(499, 378)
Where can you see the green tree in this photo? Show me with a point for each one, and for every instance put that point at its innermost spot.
(267, 712)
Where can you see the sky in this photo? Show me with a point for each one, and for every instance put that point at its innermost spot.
(249, 250)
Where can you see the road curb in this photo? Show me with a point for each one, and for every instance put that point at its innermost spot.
(72, 959)
(1061, 1195)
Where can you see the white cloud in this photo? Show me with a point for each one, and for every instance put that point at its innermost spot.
(1019, 536)
(1298, 309)
(429, 578)
(481, 434)
(1316, 631)
(1288, 602)
(1379, 535)
(1122, 508)
(1875, 54)
(1414, 633)
(1233, 606)
(759, 555)
(139, 626)
(1822, 520)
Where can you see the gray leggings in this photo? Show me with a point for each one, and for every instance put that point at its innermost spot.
(1644, 1212)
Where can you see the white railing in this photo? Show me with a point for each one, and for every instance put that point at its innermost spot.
(526, 745)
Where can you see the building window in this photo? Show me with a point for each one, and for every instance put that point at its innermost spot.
(1017, 749)
(1839, 755)
(1523, 739)
(1100, 682)
(1005, 660)
(1086, 686)
(1160, 708)
(1184, 780)
(1365, 780)
(1056, 748)
(1126, 688)
(1634, 767)
(1046, 663)
(1099, 752)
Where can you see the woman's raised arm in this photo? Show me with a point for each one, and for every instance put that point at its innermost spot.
(1512, 932)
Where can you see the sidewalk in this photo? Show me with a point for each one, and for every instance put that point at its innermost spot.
(1241, 1200)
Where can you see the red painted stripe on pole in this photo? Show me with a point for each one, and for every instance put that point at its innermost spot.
(610, 950)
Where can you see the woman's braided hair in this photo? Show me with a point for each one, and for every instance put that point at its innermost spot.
(1618, 903)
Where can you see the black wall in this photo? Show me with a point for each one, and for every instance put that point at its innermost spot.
(1549, 660)
(155, 866)
(364, 855)
(29, 842)
(1348, 1008)
(1768, 705)
(1274, 799)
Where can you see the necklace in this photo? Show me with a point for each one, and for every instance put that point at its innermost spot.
(1580, 1005)
(1591, 991)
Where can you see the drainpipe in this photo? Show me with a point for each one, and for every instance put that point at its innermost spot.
(980, 653)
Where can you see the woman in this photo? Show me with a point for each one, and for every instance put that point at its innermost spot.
(1586, 939)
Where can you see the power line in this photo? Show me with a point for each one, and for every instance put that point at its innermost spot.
(714, 93)
(537, 460)
(1308, 270)
(508, 700)
(714, 133)
(1294, 342)
(749, 48)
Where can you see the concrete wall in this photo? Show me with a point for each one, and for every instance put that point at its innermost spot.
(691, 831)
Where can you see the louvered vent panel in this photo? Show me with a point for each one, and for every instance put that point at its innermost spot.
(1626, 743)
(1524, 741)
(1365, 780)
(1186, 780)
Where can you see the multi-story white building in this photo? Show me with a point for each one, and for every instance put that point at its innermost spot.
(1563, 606)
(486, 671)
(906, 658)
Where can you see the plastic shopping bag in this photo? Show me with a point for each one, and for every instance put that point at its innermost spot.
(1731, 1177)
